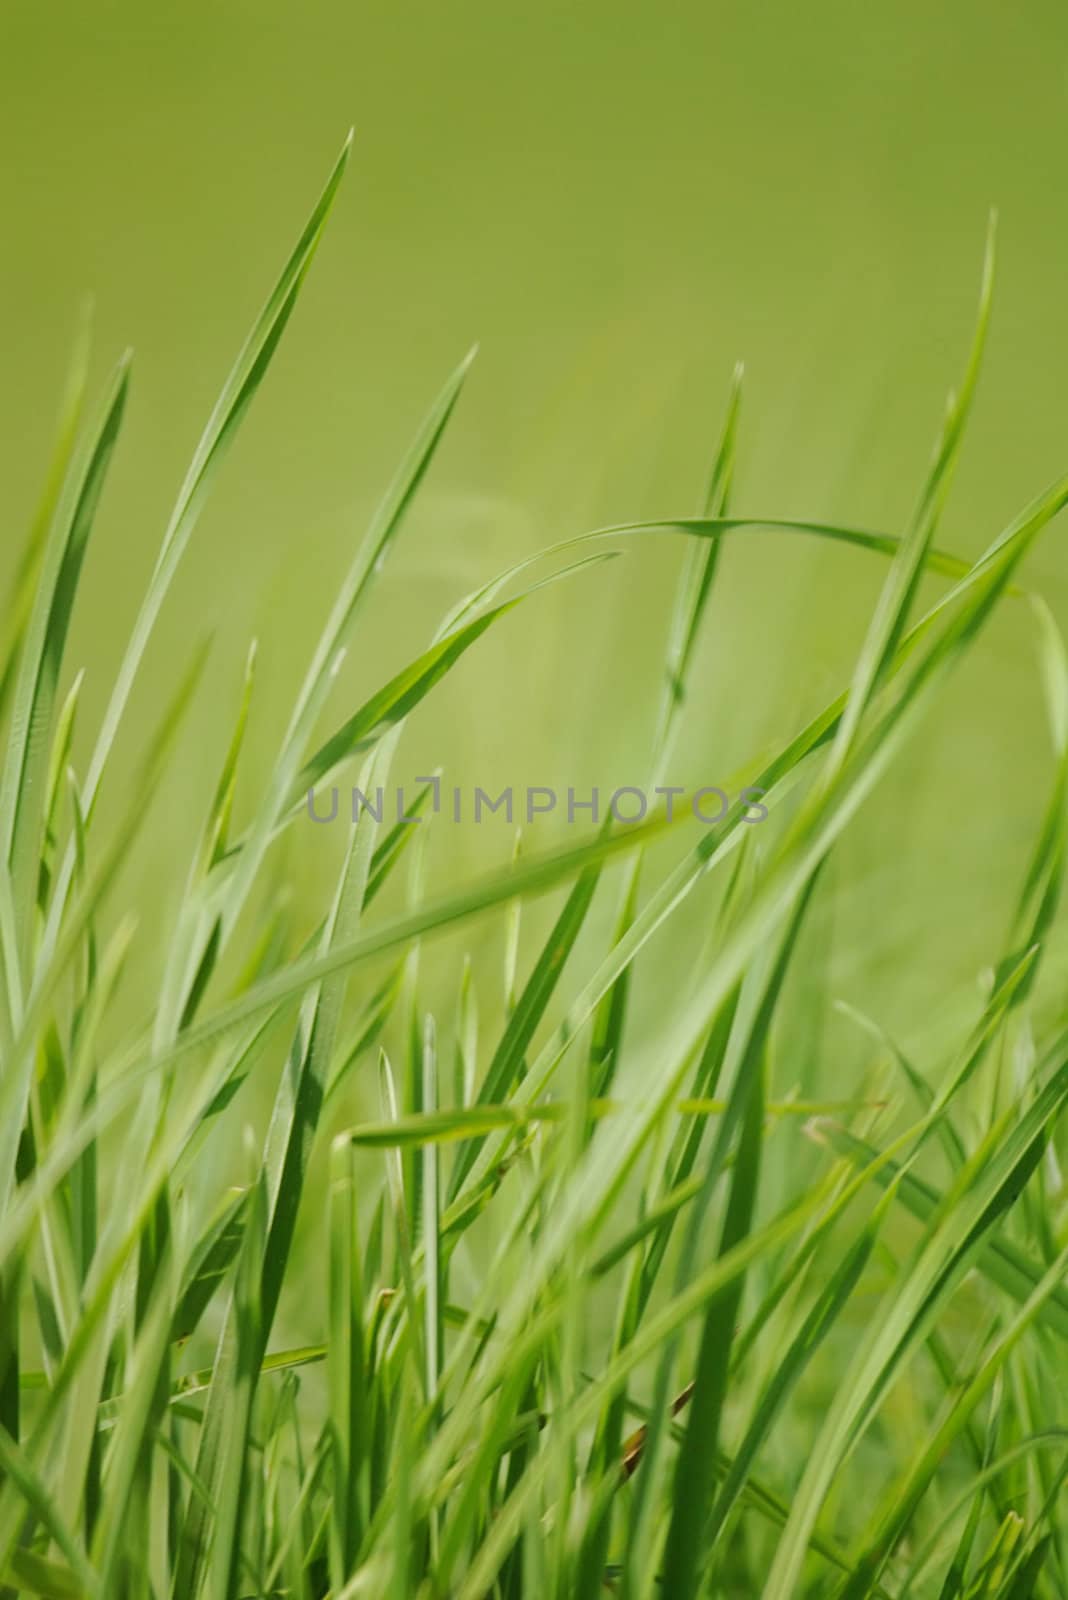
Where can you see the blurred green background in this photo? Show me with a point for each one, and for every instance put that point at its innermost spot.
(618, 201)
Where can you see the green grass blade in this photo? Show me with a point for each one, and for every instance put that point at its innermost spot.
(16, 614)
(23, 777)
(236, 396)
(695, 1469)
(349, 1422)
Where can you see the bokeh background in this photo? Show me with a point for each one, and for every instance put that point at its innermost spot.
(618, 201)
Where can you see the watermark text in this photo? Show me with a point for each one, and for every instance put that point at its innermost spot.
(629, 803)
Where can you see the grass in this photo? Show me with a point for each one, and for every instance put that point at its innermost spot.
(574, 1329)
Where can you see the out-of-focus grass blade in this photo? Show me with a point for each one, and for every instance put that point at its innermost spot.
(34, 1575)
(418, 1128)
(448, 1124)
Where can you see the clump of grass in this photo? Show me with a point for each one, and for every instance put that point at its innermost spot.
(472, 1421)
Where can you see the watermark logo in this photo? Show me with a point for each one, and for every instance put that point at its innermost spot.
(629, 803)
